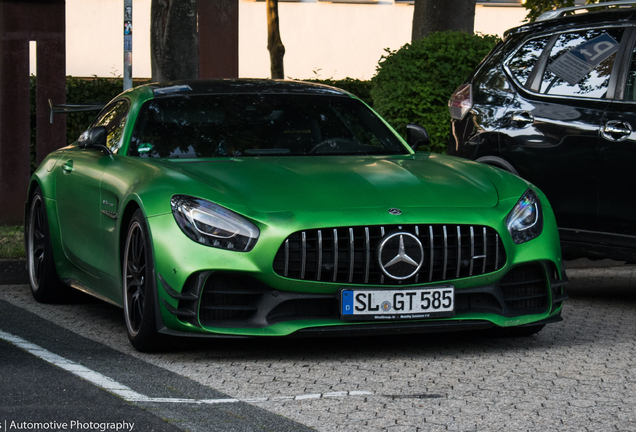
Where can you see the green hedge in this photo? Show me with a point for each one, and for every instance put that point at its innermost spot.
(82, 90)
(91, 90)
(361, 89)
(414, 83)
(79, 90)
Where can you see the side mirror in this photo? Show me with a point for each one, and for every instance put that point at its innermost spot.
(94, 138)
(416, 136)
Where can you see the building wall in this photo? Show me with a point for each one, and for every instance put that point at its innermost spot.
(322, 39)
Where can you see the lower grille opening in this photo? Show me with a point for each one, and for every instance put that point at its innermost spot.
(477, 302)
(525, 289)
(304, 309)
(229, 298)
(224, 306)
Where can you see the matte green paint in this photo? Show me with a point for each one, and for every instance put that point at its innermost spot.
(280, 195)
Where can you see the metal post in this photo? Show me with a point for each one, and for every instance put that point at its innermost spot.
(127, 44)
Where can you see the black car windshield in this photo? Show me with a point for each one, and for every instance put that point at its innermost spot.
(244, 125)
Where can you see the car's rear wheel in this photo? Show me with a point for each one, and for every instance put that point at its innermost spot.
(45, 285)
(139, 287)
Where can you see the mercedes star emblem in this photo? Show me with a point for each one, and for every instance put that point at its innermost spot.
(400, 255)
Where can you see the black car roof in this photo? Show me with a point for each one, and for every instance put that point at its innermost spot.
(242, 86)
(612, 16)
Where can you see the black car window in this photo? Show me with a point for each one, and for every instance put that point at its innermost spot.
(243, 125)
(580, 63)
(523, 61)
(113, 117)
(630, 89)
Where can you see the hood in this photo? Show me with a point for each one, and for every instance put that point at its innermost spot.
(280, 184)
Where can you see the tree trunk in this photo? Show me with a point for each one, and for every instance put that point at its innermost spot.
(430, 16)
(174, 42)
(274, 42)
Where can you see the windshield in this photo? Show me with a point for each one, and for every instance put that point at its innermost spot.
(244, 125)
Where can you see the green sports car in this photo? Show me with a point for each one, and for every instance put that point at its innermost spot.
(241, 208)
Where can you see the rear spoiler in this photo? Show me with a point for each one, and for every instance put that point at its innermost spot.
(72, 108)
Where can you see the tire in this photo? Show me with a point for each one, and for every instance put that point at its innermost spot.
(46, 287)
(139, 287)
(498, 163)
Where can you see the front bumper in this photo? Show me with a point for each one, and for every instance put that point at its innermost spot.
(226, 303)
(202, 291)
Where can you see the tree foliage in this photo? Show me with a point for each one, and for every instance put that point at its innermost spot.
(414, 83)
(360, 88)
(537, 7)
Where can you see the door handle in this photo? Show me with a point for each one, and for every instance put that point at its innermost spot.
(67, 167)
(521, 119)
(616, 130)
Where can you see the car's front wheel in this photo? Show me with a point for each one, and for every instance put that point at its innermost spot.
(139, 287)
(45, 284)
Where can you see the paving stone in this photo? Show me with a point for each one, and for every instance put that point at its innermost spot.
(577, 375)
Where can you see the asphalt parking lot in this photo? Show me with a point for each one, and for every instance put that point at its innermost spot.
(576, 375)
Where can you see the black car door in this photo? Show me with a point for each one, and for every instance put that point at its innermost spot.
(617, 157)
(552, 130)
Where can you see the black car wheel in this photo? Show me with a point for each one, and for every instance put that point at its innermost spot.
(499, 163)
(139, 286)
(45, 285)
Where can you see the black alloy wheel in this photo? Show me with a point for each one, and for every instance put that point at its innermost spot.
(45, 285)
(36, 242)
(139, 286)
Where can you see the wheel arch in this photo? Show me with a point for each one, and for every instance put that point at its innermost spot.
(154, 338)
(498, 162)
(51, 213)
(126, 215)
(33, 185)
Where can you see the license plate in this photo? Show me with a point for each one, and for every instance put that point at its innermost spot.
(381, 304)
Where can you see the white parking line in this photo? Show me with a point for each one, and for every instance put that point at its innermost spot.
(130, 395)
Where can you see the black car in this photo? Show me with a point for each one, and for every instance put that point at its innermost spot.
(555, 103)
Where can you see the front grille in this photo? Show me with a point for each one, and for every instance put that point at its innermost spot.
(349, 254)
(525, 289)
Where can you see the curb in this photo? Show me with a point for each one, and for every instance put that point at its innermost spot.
(13, 272)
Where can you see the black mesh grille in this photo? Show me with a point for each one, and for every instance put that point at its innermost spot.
(228, 298)
(525, 289)
(304, 309)
(349, 254)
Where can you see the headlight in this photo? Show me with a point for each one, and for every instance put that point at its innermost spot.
(525, 221)
(213, 225)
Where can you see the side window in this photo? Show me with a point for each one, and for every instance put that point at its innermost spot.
(522, 63)
(114, 119)
(630, 89)
(580, 63)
